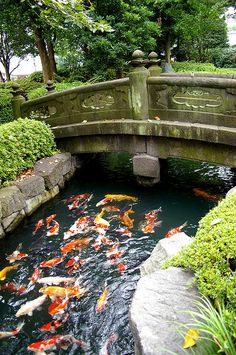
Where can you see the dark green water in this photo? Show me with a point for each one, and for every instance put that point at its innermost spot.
(109, 174)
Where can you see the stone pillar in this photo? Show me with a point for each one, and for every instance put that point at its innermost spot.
(50, 87)
(153, 64)
(146, 169)
(17, 100)
(138, 86)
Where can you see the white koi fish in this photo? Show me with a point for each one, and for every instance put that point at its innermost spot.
(55, 280)
(30, 306)
(4, 334)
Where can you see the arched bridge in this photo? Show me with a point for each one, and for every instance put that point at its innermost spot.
(148, 113)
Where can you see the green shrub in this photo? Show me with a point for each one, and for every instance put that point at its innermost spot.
(22, 142)
(41, 91)
(36, 76)
(212, 254)
(192, 66)
(6, 114)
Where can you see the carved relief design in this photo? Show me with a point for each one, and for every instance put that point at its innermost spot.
(98, 101)
(122, 97)
(161, 97)
(42, 112)
(231, 91)
(197, 99)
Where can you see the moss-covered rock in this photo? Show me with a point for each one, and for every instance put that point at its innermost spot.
(212, 255)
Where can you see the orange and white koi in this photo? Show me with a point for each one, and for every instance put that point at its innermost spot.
(126, 220)
(112, 338)
(35, 275)
(54, 230)
(149, 226)
(152, 214)
(125, 232)
(73, 264)
(15, 256)
(3, 272)
(102, 300)
(5, 334)
(11, 287)
(78, 197)
(30, 306)
(53, 325)
(56, 280)
(76, 200)
(121, 268)
(62, 292)
(175, 230)
(75, 244)
(201, 193)
(49, 219)
(113, 252)
(78, 227)
(72, 261)
(62, 341)
(58, 306)
(51, 262)
(109, 198)
(101, 222)
(101, 239)
(38, 226)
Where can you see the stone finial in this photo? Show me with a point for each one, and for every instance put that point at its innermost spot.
(50, 87)
(153, 64)
(16, 90)
(137, 59)
(153, 58)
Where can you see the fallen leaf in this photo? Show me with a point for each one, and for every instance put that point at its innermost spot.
(190, 338)
(216, 221)
(157, 118)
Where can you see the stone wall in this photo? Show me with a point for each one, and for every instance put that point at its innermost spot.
(23, 197)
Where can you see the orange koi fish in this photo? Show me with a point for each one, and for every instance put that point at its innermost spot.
(58, 306)
(54, 230)
(11, 287)
(200, 192)
(101, 302)
(126, 220)
(78, 197)
(152, 214)
(3, 272)
(62, 292)
(175, 230)
(51, 262)
(35, 275)
(38, 226)
(112, 338)
(63, 341)
(74, 244)
(49, 219)
(78, 227)
(76, 200)
(109, 198)
(114, 252)
(121, 268)
(4, 334)
(53, 325)
(73, 264)
(125, 232)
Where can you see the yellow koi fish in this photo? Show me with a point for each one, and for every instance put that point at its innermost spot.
(62, 292)
(6, 269)
(101, 302)
(109, 198)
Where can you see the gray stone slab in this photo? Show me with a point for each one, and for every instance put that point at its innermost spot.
(11, 200)
(159, 304)
(2, 233)
(51, 169)
(31, 186)
(48, 195)
(11, 222)
(33, 204)
(164, 249)
(146, 165)
(65, 158)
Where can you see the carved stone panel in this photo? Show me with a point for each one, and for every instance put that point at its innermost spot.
(40, 112)
(97, 101)
(197, 99)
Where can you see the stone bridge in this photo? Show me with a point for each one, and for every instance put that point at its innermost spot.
(148, 114)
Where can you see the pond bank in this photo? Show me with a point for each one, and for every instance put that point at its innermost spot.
(25, 196)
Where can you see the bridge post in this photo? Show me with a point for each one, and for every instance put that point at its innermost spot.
(17, 100)
(138, 86)
(153, 64)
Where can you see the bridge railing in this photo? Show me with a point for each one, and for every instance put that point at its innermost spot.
(145, 95)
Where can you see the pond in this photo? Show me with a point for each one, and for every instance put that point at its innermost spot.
(100, 267)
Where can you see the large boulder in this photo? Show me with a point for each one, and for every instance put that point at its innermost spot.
(31, 186)
(158, 308)
(11, 200)
(165, 249)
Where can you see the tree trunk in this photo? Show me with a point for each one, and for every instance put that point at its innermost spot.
(51, 56)
(6, 67)
(40, 43)
(167, 48)
(2, 78)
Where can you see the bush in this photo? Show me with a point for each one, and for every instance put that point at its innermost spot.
(36, 76)
(224, 57)
(192, 66)
(212, 254)
(22, 142)
(6, 113)
(38, 92)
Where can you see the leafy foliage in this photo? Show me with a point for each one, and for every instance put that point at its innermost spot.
(41, 91)
(22, 142)
(192, 66)
(212, 254)
(6, 114)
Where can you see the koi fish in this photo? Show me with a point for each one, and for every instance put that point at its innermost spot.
(200, 192)
(56, 280)
(58, 306)
(125, 232)
(11, 287)
(74, 244)
(109, 198)
(112, 338)
(62, 341)
(152, 214)
(51, 262)
(73, 264)
(101, 302)
(121, 268)
(101, 222)
(30, 306)
(114, 252)
(101, 239)
(175, 230)
(16, 255)
(54, 230)
(3, 272)
(38, 226)
(78, 197)
(53, 325)
(62, 292)
(149, 226)
(4, 334)
(72, 261)
(78, 227)
(126, 220)
(75, 200)
(35, 275)
(49, 219)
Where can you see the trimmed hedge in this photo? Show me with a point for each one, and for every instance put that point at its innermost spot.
(212, 254)
(192, 66)
(6, 113)
(22, 143)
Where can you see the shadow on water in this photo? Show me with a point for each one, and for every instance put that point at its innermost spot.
(111, 173)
